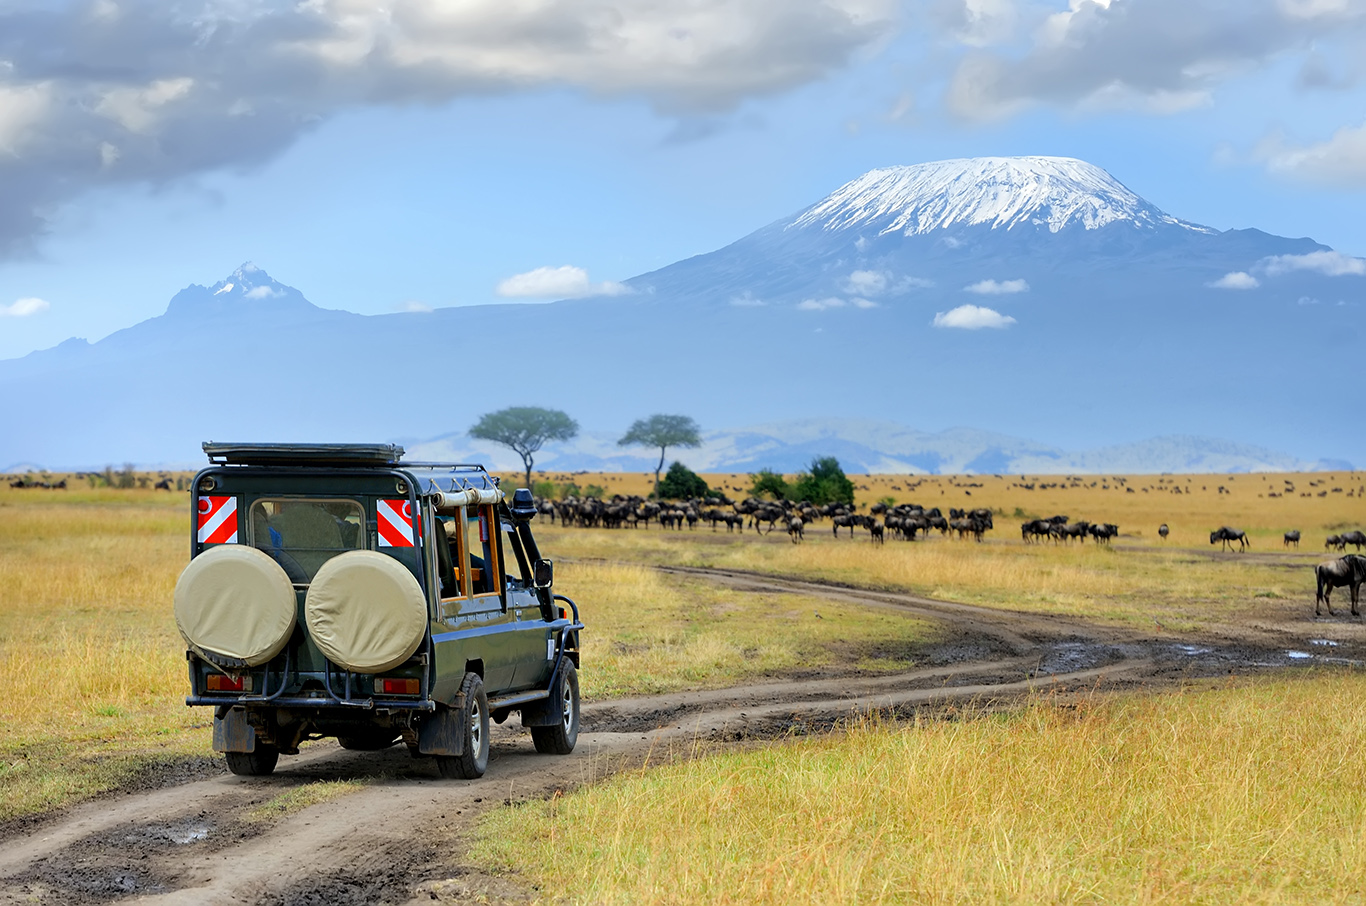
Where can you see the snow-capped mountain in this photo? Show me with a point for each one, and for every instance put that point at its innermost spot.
(1029, 298)
(997, 192)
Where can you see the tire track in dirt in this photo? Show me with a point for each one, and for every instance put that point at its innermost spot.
(400, 836)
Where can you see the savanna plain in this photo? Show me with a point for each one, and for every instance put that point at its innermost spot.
(1241, 784)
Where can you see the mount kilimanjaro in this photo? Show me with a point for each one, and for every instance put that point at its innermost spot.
(1035, 297)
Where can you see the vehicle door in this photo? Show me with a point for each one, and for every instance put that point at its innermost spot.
(476, 623)
(535, 649)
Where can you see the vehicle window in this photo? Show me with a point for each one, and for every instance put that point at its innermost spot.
(479, 543)
(302, 535)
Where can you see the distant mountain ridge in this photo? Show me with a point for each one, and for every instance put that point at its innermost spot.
(866, 446)
(1037, 297)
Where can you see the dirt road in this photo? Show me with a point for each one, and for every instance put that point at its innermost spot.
(400, 837)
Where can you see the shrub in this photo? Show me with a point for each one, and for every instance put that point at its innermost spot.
(770, 483)
(682, 483)
(825, 483)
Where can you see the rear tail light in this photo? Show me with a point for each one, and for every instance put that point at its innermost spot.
(218, 682)
(385, 686)
(563, 615)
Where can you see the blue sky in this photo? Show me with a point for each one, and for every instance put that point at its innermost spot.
(426, 155)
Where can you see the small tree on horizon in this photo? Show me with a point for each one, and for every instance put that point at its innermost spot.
(525, 429)
(662, 431)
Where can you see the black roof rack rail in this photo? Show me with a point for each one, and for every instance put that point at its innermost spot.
(246, 454)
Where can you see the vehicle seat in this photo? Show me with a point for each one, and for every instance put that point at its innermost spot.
(445, 563)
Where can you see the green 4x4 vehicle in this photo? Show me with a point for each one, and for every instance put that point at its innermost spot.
(333, 590)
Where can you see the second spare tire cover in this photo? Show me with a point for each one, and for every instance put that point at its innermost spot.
(235, 605)
(365, 611)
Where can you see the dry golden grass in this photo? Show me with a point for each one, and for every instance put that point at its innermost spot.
(1236, 795)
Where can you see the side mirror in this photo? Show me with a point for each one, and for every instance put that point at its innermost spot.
(544, 573)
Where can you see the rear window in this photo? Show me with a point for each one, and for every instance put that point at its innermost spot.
(302, 535)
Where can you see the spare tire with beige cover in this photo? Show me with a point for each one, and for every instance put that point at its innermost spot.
(365, 611)
(235, 606)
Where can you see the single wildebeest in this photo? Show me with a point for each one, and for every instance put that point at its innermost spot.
(1349, 570)
(1163, 531)
(845, 522)
(1354, 538)
(875, 531)
(1331, 542)
(1228, 536)
(795, 528)
(1292, 537)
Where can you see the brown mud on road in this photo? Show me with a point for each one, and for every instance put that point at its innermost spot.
(399, 834)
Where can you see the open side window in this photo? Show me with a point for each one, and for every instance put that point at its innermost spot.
(470, 556)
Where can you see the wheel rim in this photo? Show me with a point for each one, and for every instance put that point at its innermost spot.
(567, 704)
(476, 729)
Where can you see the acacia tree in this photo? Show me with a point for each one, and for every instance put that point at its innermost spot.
(663, 431)
(525, 429)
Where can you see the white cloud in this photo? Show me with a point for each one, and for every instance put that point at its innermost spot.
(1153, 56)
(747, 299)
(1236, 280)
(565, 282)
(414, 307)
(104, 92)
(22, 308)
(1308, 300)
(1339, 161)
(858, 302)
(866, 283)
(995, 288)
(820, 304)
(263, 292)
(972, 317)
(1329, 263)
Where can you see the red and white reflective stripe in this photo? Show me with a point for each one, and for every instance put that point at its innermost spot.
(218, 520)
(395, 523)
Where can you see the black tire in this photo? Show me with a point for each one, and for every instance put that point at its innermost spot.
(560, 738)
(472, 718)
(254, 764)
(368, 740)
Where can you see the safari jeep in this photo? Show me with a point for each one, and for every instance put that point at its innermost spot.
(334, 591)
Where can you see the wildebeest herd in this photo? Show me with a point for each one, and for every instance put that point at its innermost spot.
(1058, 528)
(900, 520)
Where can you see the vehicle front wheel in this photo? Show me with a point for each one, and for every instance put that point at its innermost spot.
(254, 764)
(472, 717)
(559, 739)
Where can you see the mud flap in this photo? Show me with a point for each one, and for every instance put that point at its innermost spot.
(232, 733)
(544, 713)
(440, 732)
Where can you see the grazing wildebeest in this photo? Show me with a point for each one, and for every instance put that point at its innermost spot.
(1228, 536)
(1354, 538)
(875, 531)
(1333, 541)
(1349, 570)
(163, 485)
(795, 528)
(845, 522)
(1163, 531)
(1292, 537)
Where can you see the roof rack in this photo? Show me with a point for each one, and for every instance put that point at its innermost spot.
(239, 454)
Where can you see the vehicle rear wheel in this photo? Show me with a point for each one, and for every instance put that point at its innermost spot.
(472, 717)
(254, 764)
(559, 739)
(368, 740)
